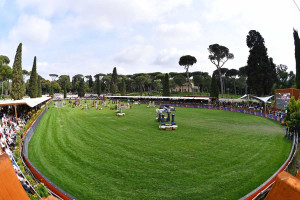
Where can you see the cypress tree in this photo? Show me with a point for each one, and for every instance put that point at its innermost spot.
(33, 87)
(114, 80)
(297, 57)
(65, 91)
(166, 86)
(123, 90)
(81, 88)
(18, 88)
(90, 82)
(260, 69)
(98, 84)
(39, 84)
(214, 89)
(51, 90)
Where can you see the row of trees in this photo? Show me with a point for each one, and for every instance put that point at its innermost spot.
(15, 74)
(5, 74)
(234, 82)
(260, 76)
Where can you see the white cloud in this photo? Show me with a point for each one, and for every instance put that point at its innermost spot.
(31, 29)
(2, 2)
(117, 33)
(168, 57)
(137, 54)
(180, 33)
(224, 10)
(273, 19)
(45, 8)
(104, 15)
(139, 39)
(8, 49)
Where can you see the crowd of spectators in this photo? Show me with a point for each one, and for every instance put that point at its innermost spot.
(249, 105)
(244, 105)
(9, 127)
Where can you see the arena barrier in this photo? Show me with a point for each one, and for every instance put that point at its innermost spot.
(263, 188)
(27, 136)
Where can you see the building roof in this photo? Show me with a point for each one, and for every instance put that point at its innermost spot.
(31, 102)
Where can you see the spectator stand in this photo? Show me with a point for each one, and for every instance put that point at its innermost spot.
(30, 102)
(9, 128)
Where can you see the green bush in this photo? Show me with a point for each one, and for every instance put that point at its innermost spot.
(18, 141)
(19, 162)
(22, 169)
(29, 178)
(16, 153)
(32, 196)
(41, 189)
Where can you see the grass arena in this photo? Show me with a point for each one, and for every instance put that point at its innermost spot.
(214, 154)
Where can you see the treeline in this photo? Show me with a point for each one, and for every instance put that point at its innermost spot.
(260, 76)
(235, 82)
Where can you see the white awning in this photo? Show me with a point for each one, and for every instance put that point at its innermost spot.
(31, 102)
(263, 99)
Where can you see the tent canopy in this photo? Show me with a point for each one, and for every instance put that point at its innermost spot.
(263, 99)
(31, 102)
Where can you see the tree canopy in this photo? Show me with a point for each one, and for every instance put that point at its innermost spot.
(33, 85)
(261, 71)
(180, 80)
(166, 86)
(39, 87)
(4, 60)
(297, 57)
(187, 61)
(114, 81)
(219, 55)
(53, 76)
(81, 88)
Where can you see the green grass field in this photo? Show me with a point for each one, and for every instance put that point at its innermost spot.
(93, 154)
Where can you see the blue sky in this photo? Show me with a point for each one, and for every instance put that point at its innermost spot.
(93, 36)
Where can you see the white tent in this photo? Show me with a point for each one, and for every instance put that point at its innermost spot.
(263, 99)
